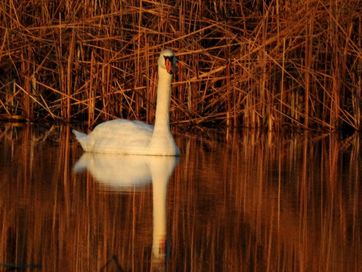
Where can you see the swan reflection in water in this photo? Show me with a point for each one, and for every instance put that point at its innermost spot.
(129, 172)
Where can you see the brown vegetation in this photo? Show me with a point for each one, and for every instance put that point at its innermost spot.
(269, 64)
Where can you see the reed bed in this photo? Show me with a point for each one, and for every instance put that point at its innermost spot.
(262, 64)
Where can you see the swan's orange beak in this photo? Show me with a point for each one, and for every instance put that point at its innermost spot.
(171, 65)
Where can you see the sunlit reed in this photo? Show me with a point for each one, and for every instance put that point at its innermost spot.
(266, 64)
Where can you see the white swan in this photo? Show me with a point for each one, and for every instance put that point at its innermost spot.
(122, 136)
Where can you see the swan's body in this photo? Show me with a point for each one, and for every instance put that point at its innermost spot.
(122, 136)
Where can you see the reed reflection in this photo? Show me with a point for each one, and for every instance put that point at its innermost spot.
(130, 173)
(268, 202)
(250, 202)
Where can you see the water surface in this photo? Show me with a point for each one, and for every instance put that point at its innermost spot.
(232, 202)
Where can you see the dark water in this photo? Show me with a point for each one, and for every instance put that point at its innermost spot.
(246, 202)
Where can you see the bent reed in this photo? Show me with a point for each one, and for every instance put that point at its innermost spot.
(260, 64)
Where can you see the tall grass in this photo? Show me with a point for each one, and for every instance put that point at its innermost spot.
(266, 64)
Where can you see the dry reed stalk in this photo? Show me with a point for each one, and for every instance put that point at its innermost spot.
(91, 92)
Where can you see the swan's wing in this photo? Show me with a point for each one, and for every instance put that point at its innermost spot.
(120, 136)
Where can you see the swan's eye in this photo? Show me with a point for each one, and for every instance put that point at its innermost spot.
(171, 64)
(171, 59)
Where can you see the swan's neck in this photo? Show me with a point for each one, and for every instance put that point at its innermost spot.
(162, 117)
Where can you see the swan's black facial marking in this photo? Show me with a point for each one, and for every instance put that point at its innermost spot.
(173, 59)
(171, 64)
(170, 58)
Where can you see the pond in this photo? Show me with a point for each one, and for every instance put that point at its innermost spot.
(244, 201)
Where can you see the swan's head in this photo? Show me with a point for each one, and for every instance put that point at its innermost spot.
(168, 61)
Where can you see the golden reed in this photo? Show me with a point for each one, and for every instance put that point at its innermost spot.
(266, 64)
